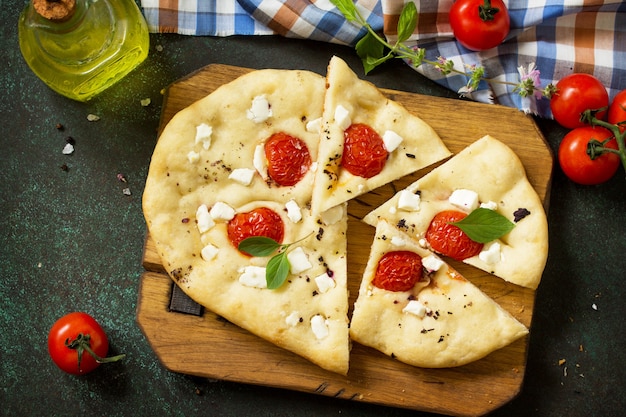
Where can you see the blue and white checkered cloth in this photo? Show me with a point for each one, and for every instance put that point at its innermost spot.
(559, 36)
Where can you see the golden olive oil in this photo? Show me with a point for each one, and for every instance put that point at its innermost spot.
(81, 55)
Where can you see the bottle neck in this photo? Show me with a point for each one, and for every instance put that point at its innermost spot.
(68, 16)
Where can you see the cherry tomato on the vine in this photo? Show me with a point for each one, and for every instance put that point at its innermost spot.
(448, 239)
(364, 152)
(578, 165)
(479, 24)
(261, 221)
(70, 339)
(288, 158)
(398, 271)
(617, 110)
(574, 94)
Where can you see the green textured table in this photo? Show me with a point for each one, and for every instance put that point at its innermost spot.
(71, 239)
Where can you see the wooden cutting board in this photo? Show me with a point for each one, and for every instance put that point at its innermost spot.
(211, 347)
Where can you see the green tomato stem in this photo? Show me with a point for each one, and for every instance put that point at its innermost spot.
(82, 343)
(620, 136)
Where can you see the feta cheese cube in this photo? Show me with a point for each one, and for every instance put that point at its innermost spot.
(464, 199)
(319, 326)
(242, 175)
(342, 117)
(391, 140)
(222, 211)
(259, 161)
(492, 254)
(203, 135)
(253, 276)
(398, 241)
(293, 319)
(314, 126)
(193, 157)
(432, 263)
(491, 205)
(209, 252)
(324, 282)
(298, 260)
(332, 215)
(293, 211)
(416, 308)
(204, 219)
(408, 201)
(260, 110)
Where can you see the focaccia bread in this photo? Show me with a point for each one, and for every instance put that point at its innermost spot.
(441, 321)
(210, 165)
(494, 174)
(411, 144)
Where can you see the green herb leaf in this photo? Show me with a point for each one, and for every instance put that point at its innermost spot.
(370, 51)
(483, 225)
(347, 8)
(277, 270)
(259, 246)
(407, 21)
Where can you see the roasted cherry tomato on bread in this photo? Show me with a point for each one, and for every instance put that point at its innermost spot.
(398, 271)
(261, 221)
(577, 164)
(288, 158)
(576, 93)
(77, 344)
(364, 152)
(448, 239)
(617, 110)
(479, 24)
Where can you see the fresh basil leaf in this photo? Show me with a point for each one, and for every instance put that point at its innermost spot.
(258, 246)
(277, 270)
(370, 51)
(483, 225)
(407, 21)
(347, 8)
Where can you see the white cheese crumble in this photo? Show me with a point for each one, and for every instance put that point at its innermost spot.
(204, 219)
(222, 211)
(432, 263)
(491, 254)
(68, 149)
(259, 161)
(408, 201)
(298, 260)
(464, 199)
(253, 276)
(203, 135)
(398, 241)
(416, 308)
(293, 319)
(293, 211)
(193, 157)
(314, 126)
(242, 175)
(209, 252)
(491, 205)
(332, 215)
(260, 110)
(391, 140)
(319, 326)
(324, 282)
(342, 117)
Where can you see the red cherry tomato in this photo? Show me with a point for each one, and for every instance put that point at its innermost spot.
(288, 158)
(66, 331)
(479, 24)
(261, 221)
(398, 271)
(576, 93)
(617, 110)
(364, 152)
(449, 240)
(576, 163)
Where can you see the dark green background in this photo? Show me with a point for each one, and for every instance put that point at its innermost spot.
(71, 240)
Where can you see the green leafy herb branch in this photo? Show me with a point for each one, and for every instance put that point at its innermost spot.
(374, 50)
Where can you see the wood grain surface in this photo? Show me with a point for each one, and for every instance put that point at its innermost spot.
(211, 347)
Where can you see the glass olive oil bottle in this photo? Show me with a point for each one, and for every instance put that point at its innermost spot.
(81, 47)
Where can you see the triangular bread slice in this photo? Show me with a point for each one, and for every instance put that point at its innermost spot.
(444, 321)
(365, 103)
(494, 172)
(192, 187)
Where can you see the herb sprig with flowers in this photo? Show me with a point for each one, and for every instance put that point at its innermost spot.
(374, 50)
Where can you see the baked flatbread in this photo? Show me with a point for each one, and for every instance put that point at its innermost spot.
(350, 100)
(206, 168)
(492, 171)
(443, 321)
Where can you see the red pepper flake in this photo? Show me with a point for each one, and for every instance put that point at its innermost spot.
(121, 177)
(185, 220)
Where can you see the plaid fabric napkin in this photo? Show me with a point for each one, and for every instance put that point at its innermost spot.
(559, 36)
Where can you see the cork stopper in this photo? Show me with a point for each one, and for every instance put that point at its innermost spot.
(55, 10)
